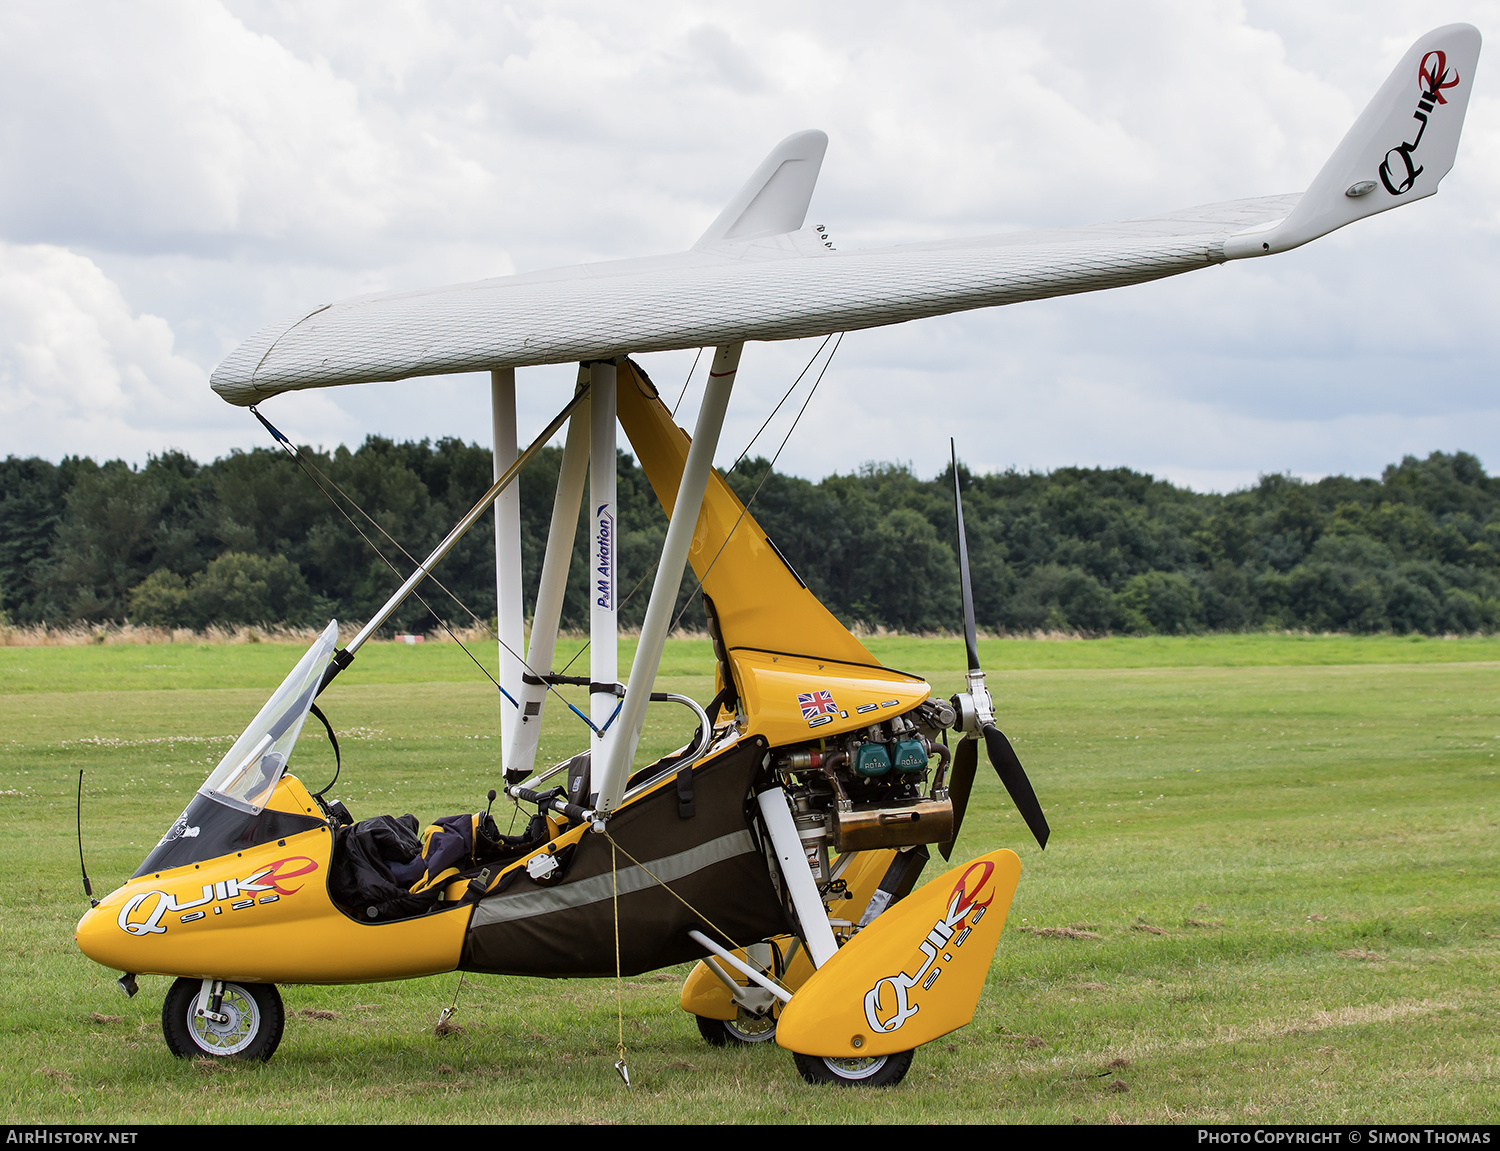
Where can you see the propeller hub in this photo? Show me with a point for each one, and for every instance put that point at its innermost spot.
(968, 716)
(975, 708)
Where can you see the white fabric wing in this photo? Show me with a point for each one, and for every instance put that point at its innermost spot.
(778, 288)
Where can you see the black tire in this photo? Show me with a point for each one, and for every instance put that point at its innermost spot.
(874, 1071)
(747, 1029)
(256, 1020)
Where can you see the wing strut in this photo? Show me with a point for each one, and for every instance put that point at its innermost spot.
(520, 759)
(620, 749)
(604, 592)
(509, 623)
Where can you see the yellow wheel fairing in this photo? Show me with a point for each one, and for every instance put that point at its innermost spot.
(703, 993)
(264, 915)
(913, 975)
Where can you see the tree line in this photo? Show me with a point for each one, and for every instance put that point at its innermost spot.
(249, 538)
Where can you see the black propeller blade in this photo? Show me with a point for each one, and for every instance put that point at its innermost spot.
(960, 783)
(977, 715)
(1013, 775)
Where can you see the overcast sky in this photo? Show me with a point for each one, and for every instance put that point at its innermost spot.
(176, 175)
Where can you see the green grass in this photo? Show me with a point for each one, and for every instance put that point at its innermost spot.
(158, 667)
(1279, 854)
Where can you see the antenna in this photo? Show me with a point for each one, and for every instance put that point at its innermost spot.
(88, 888)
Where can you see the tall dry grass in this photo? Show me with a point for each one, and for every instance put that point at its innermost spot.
(86, 634)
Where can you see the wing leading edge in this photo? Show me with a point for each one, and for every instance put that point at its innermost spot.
(756, 274)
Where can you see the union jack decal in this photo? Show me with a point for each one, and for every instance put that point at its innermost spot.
(816, 703)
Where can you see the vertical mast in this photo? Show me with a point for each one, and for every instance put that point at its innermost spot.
(612, 770)
(510, 624)
(520, 758)
(603, 543)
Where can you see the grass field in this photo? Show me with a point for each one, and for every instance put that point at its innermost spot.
(1270, 896)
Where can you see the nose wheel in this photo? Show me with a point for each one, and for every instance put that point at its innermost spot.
(245, 1023)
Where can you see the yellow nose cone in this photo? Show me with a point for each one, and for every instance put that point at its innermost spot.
(95, 936)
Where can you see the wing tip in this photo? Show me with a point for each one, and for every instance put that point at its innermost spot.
(1398, 150)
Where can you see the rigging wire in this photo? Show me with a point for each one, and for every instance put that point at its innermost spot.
(614, 885)
(686, 382)
(783, 400)
(764, 476)
(309, 468)
(785, 396)
(443, 1026)
(614, 844)
(305, 465)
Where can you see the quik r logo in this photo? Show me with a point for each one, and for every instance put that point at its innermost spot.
(946, 937)
(1399, 170)
(239, 893)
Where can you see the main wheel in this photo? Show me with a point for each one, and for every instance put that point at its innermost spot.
(251, 1031)
(745, 1028)
(860, 1071)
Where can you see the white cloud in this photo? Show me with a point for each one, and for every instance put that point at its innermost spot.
(174, 127)
(75, 360)
(82, 373)
(226, 164)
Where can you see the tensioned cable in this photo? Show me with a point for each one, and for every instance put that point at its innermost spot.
(305, 465)
(735, 946)
(686, 382)
(784, 399)
(614, 883)
(785, 396)
(764, 476)
(452, 1009)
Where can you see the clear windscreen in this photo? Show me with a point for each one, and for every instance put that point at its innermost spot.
(248, 774)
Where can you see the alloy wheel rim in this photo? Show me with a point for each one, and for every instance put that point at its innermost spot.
(856, 1067)
(233, 1036)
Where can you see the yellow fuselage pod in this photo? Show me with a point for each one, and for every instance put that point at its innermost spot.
(793, 699)
(912, 975)
(262, 915)
(781, 641)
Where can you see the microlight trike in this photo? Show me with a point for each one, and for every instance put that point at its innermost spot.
(783, 847)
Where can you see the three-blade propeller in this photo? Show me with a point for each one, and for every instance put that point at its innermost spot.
(976, 717)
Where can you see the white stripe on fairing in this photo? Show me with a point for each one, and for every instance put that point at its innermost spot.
(599, 888)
